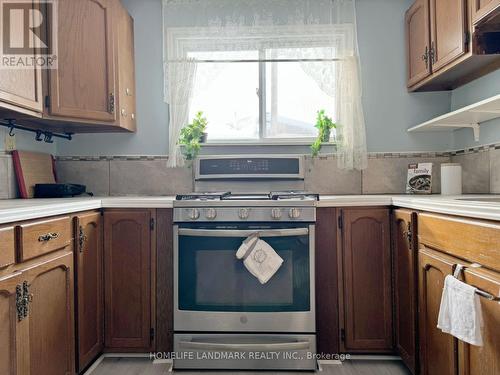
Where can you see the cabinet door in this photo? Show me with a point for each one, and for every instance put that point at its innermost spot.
(405, 255)
(481, 8)
(367, 280)
(448, 27)
(417, 42)
(21, 87)
(483, 360)
(51, 317)
(89, 287)
(126, 67)
(83, 85)
(128, 275)
(11, 341)
(327, 306)
(438, 350)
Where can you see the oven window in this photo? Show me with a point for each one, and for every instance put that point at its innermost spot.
(211, 278)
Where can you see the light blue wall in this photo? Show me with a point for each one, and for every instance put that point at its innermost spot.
(26, 141)
(389, 109)
(475, 91)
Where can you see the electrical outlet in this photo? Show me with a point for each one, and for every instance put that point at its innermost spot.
(10, 142)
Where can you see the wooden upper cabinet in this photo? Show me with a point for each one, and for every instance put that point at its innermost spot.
(50, 317)
(367, 291)
(483, 360)
(438, 350)
(482, 8)
(11, 359)
(21, 87)
(418, 42)
(89, 287)
(448, 31)
(125, 67)
(83, 85)
(405, 256)
(129, 277)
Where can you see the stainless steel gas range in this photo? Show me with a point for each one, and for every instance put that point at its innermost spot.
(225, 317)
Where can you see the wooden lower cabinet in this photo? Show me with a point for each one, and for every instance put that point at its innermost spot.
(367, 290)
(441, 353)
(485, 360)
(438, 350)
(10, 338)
(89, 287)
(51, 317)
(129, 278)
(327, 303)
(41, 341)
(405, 261)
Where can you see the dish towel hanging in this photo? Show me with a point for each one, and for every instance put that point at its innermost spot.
(259, 258)
(460, 311)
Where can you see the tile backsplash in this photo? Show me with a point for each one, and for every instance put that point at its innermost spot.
(149, 175)
(118, 176)
(8, 183)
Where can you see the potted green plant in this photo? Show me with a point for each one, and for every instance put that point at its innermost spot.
(324, 124)
(192, 135)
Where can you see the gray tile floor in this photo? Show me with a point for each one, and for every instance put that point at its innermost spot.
(143, 366)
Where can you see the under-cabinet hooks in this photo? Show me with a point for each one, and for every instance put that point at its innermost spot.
(40, 135)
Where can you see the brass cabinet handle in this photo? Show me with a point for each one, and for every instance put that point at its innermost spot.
(19, 303)
(408, 235)
(111, 103)
(432, 54)
(425, 57)
(23, 299)
(81, 238)
(48, 236)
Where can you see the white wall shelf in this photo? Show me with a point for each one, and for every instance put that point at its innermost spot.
(466, 117)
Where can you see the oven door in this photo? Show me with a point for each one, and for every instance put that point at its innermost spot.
(214, 292)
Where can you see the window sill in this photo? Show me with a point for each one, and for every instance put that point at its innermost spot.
(263, 143)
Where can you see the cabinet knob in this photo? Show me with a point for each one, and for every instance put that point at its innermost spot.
(124, 112)
(128, 92)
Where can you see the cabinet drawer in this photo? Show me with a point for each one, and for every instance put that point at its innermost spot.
(474, 240)
(40, 237)
(7, 246)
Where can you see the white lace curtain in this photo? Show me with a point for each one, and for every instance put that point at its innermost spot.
(305, 30)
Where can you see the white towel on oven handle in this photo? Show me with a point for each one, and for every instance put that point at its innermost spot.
(259, 258)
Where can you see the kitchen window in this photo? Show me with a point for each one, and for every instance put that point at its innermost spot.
(260, 70)
(248, 97)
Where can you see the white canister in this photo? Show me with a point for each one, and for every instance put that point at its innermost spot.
(451, 179)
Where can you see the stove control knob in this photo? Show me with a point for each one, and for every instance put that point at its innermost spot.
(211, 214)
(294, 213)
(243, 213)
(194, 214)
(276, 213)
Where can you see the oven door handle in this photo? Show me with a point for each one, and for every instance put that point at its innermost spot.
(196, 345)
(243, 233)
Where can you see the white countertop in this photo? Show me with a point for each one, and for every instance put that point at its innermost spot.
(24, 209)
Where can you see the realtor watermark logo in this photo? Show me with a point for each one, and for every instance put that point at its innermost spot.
(28, 34)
